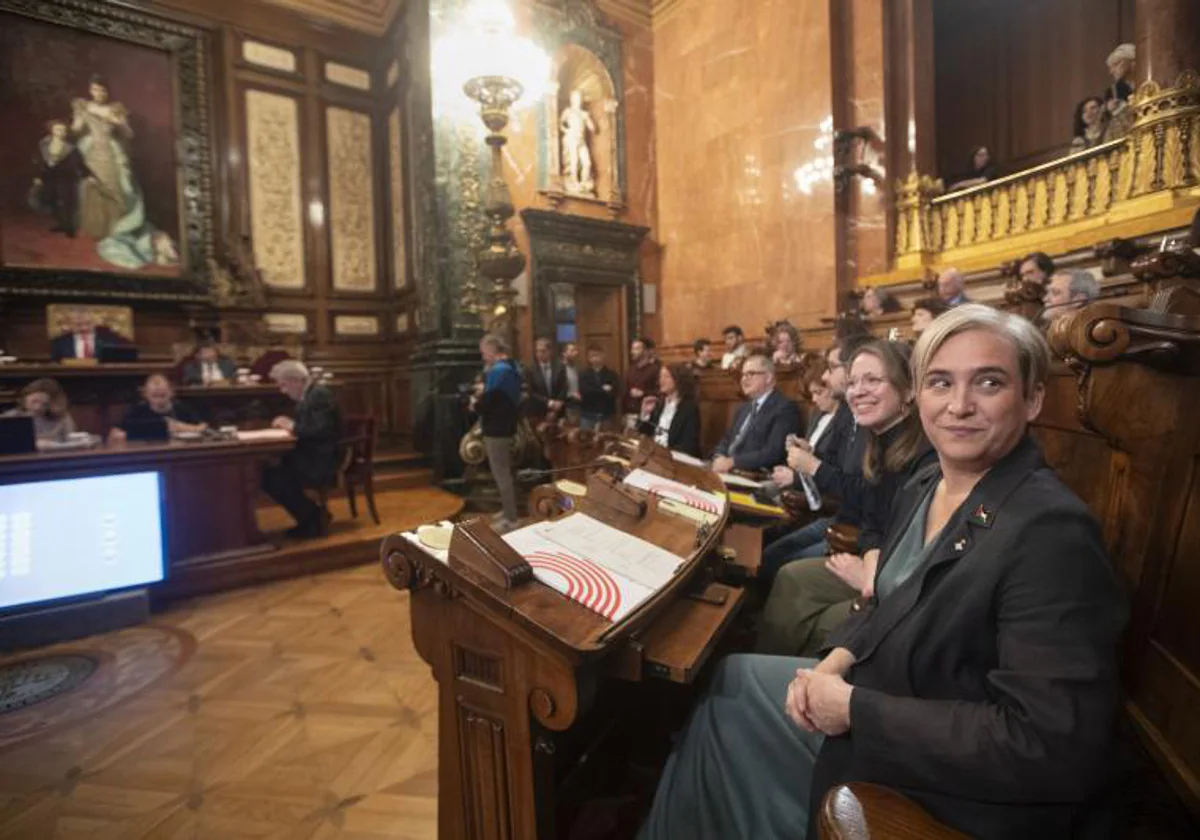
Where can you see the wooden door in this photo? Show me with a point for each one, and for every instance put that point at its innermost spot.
(600, 319)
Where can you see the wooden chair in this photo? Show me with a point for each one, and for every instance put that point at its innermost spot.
(358, 467)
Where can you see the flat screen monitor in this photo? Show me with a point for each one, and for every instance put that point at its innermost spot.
(78, 536)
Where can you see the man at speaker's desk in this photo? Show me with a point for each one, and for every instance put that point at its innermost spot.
(158, 415)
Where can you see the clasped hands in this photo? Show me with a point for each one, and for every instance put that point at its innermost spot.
(818, 701)
(285, 423)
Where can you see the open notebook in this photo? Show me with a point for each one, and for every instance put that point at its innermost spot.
(602, 568)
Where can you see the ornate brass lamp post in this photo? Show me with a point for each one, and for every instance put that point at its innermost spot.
(500, 68)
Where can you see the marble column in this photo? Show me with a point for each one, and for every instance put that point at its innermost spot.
(1168, 39)
(910, 118)
(445, 166)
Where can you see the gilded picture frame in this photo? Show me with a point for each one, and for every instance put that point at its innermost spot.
(156, 241)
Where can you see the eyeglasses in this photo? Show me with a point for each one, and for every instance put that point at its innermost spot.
(866, 383)
(746, 373)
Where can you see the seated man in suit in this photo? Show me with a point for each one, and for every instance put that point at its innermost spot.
(755, 440)
(208, 367)
(158, 403)
(84, 339)
(547, 383)
(317, 427)
(1068, 291)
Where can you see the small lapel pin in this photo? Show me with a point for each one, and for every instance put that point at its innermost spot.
(960, 545)
(981, 516)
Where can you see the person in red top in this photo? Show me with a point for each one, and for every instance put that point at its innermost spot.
(642, 378)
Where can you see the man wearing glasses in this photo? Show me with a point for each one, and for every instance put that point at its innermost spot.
(755, 440)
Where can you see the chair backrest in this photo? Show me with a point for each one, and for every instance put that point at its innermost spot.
(358, 436)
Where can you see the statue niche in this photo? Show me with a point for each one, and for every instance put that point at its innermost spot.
(581, 117)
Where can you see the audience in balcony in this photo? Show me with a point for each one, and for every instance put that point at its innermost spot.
(1116, 98)
(702, 354)
(1091, 124)
(981, 170)
(735, 346)
(1036, 268)
(876, 302)
(1068, 291)
(785, 343)
(924, 311)
(950, 287)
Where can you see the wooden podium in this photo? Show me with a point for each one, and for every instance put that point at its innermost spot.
(519, 666)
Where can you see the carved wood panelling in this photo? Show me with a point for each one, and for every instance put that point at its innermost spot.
(273, 163)
(482, 740)
(351, 200)
(373, 16)
(347, 76)
(356, 325)
(396, 179)
(285, 323)
(269, 56)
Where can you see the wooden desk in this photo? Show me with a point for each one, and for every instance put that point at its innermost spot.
(531, 684)
(209, 493)
(101, 394)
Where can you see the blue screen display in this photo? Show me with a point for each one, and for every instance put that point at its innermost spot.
(76, 536)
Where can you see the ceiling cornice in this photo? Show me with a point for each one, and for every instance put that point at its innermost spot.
(370, 16)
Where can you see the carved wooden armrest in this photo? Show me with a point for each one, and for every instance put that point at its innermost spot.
(842, 539)
(863, 811)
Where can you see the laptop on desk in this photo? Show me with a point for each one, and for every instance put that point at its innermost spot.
(17, 436)
(154, 430)
(110, 353)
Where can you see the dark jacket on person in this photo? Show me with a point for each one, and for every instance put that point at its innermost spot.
(499, 406)
(318, 431)
(684, 434)
(593, 398)
(879, 497)
(142, 413)
(193, 370)
(840, 475)
(63, 347)
(840, 429)
(541, 391)
(986, 684)
(763, 445)
(645, 379)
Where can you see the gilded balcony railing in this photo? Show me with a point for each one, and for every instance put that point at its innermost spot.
(1148, 170)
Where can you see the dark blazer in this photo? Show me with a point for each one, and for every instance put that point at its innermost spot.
(986, 685)
(318, 431)
(593, 398)
(839, 431)
(63, 347)
(763, 447)
(541, 391)
(684, 434)
(193, 373)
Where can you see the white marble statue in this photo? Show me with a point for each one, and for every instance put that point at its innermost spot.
(576, 124)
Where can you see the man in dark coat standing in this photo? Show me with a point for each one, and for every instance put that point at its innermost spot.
(317, 427)
(547, 382)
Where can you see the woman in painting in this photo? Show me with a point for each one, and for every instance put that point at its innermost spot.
(103, 129)
(112, 210)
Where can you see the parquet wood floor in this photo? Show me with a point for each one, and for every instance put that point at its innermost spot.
(304, 713)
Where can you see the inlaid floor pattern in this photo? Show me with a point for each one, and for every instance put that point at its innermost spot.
(304, 713)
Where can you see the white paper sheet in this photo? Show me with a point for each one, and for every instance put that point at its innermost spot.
(677, 490)
(684, 458)
(732, 480)
(257, 435)
(596, 565)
